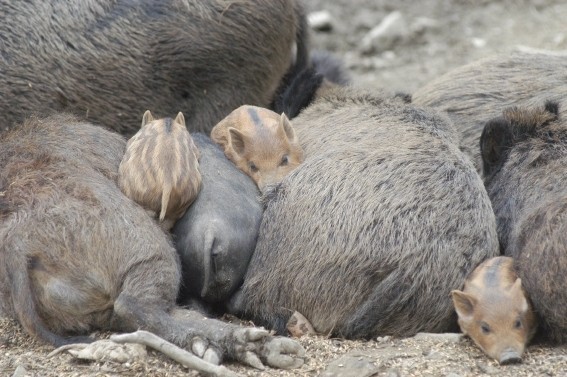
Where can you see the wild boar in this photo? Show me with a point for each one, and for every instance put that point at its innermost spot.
(259, 142)
(160, 169)
(217, 235)
(494, 310)
(524, 153)
(78, 255)
(96, 57)
(481, 90)
(383, 218)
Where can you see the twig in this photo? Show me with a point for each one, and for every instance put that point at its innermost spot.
(171, 350)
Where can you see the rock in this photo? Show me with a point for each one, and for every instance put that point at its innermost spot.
(353, 364)
(20, 371)
(320, 21)
(440, 338)
(391, 30)
(298, 325)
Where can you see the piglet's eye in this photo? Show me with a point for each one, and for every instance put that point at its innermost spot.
(485, 328)
(284, 161)
(518, 324)
(253, 167)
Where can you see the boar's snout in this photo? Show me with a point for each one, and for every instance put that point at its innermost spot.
(510, 356)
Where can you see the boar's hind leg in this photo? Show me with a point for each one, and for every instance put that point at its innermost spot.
(25, 307)
(211, 339)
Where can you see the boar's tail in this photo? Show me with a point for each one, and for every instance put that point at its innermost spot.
(25, 308)
(166, 193)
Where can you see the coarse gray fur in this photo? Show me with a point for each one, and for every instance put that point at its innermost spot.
(77, 255)
(479, 91)
(525, 161)
(217, 235)
(371, 233)
(110, 60)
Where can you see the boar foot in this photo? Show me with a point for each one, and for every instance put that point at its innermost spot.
(172, 351)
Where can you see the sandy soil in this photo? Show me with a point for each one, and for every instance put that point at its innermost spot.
(429, 38)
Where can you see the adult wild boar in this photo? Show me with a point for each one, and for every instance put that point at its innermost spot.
(524, 154)
(481, 90)
(217, 235)
(77, 255)
(110, 60)
(372, 231)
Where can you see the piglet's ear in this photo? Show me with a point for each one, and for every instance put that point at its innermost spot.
(464, 304)
(180, 119)
(517, 291)
(147, 118)
(287, 128)
(495, 143)
(236, 140)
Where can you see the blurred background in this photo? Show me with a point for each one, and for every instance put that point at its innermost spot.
(402, 44)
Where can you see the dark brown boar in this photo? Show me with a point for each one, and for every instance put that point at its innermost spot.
(95, 58)
(524, 154)
(160, 169)
(494, 311)
(371, 232)
(259, 142)
(481, 90)
(77, 255)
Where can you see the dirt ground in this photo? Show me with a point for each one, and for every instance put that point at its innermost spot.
(426, 39)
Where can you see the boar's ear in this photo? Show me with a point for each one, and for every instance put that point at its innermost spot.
(236, 140)
(180, 119)
(147, 118)
(464, 304)
(495, 143)
(287, 128)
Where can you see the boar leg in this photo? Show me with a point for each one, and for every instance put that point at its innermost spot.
(212, 339)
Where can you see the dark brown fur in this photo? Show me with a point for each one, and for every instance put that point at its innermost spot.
(482, 90)
(371, 232)
(77, 255)
(160, 169)
(110, 60)
(525, 158)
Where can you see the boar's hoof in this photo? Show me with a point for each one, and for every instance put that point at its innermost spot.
(255, 347)
(510, 357)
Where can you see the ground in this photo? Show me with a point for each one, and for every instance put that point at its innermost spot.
(426, 39)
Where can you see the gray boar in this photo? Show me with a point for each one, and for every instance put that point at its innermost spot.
(369, 235)
(109, 60)
(160, 169)
(494, 311)
(524, 154)
(217, 235)
(77, 255)
(481, 90)
(259, 142)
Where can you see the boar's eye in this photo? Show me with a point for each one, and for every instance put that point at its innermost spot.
(284, 160)
(253, 167)
(485, 328)
(518, 324)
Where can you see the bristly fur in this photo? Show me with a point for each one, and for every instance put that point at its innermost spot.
(383, 205)
(118, 58)
(528, 196)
